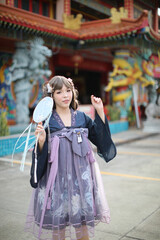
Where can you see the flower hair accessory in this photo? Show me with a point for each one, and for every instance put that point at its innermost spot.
(49, 88)
(70, 81)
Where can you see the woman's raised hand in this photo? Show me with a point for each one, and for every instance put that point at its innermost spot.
(98, 105)
(97, 102)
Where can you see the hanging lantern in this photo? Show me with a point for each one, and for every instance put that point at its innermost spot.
(77, 59)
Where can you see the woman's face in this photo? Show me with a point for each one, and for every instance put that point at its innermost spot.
(63, 97)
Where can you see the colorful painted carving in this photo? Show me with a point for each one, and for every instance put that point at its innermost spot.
(129, 70)
(156, 62)
(7, 103)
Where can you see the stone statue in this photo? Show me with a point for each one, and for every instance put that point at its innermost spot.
(153, 109)
(152, 123)
(29, 66)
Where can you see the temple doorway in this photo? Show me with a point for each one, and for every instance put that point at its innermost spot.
(86, 82)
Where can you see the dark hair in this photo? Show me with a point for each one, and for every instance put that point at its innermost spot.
(56, 83)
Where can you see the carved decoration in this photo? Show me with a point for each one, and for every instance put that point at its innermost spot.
(71, 22)
(117, 15)
(29, 66)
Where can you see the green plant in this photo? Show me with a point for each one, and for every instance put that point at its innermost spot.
(4, 130)
(131, 117)
(113, 112)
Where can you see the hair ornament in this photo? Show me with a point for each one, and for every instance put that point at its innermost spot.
(70, 81)
(49, 88)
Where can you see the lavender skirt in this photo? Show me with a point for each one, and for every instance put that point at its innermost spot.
(69, 200)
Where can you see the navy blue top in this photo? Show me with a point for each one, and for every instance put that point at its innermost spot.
(99, 135)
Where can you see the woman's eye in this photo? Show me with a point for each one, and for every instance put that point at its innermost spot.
(68, 90)
(58, 92)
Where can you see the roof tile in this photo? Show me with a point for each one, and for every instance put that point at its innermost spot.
(98, 29)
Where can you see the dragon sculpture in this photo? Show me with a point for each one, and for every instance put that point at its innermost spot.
(129, 70)
(29, 64)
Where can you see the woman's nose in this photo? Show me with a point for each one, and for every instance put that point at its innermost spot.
(65, 94)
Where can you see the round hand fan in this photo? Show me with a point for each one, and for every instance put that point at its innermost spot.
(43, 109)
(42, 113)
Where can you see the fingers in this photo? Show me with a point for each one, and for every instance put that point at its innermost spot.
(95, 99)
(39, 128)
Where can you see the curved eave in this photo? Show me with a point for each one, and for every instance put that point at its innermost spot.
(105, 29)
(153, 35)
(98, 30)
(28, 28)
(109, 36)
(15, 18)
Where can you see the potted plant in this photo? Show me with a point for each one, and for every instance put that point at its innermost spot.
(131, 118)
(4, 129)
(112, 112)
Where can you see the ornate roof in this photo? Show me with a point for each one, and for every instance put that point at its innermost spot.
(15, 18)
(106, 29)
(98, 30)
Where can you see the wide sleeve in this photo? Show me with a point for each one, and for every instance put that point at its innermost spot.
(42, 158)
(99, 135)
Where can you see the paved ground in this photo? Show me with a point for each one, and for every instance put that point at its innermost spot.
(132, 184)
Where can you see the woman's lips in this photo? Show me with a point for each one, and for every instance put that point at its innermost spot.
(66, 101)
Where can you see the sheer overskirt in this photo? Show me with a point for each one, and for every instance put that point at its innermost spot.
(76, 201)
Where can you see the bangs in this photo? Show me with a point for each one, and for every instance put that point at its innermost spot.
(56, 83)
(59, 82)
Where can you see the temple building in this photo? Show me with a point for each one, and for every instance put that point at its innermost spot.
(104, 45)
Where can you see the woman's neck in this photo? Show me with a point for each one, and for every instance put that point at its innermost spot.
(65, 115)
(63, 111)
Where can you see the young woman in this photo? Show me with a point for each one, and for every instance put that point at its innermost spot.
(68, 199)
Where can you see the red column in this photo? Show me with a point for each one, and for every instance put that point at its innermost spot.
(30, 5)
(52, 60)
(40, 7)
(155, 19)
(67, 7)
(128, 4)
(20, 4)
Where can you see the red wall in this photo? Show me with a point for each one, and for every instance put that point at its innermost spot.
(87, 64)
